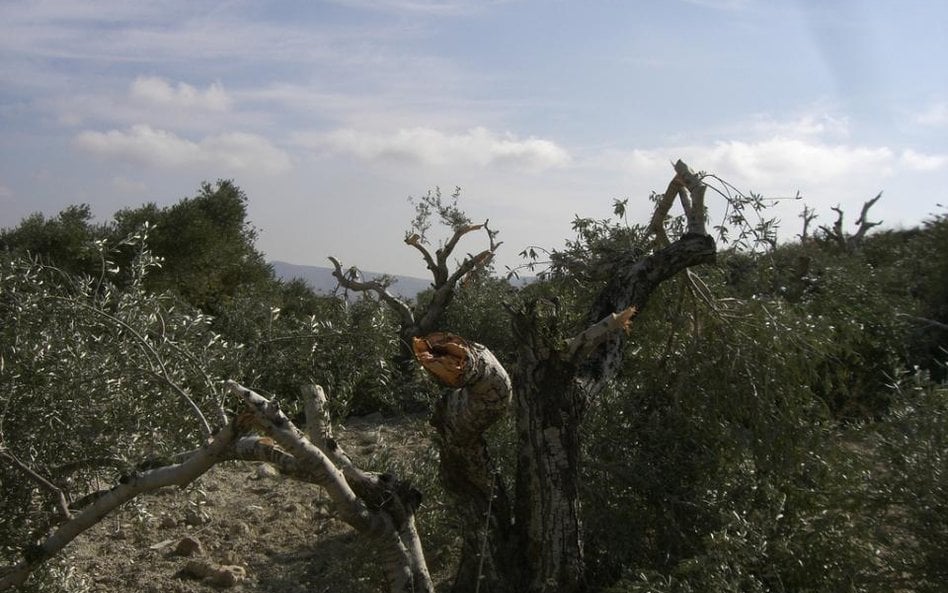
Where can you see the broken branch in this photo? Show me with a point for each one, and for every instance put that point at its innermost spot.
(179, 474)
(589, 339)
(403, 310)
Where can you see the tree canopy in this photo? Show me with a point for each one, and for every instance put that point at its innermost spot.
(688, 411)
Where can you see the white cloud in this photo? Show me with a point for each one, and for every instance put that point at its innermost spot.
(477, 146)
(391, 107)
(158, 91)
(160, 103)
(810, 125)
(795, 161)
(768, 162)
(234, 151)
(935, 116)
(918, 161)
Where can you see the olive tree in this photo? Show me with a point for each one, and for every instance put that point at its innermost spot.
(525, 536)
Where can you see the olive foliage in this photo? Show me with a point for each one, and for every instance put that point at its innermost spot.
(779, 422)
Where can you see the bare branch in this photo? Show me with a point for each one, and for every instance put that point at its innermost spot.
(318, 425)
(689, 188)
(415, 241)
(862, 222)
(700, 290)
(445, 252)
(657, 225)
(400, 307)
(438, 265)
(375, 489)
(924, 320)
(279, 427)
(863, 225)
(808, 216)
(696, 213)
(319, 431)
(179, 474)
(378, 527)
(836, 233)
(444, 291)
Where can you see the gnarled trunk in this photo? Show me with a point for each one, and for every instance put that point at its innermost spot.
(480, 397)
(553, 387)
(540, 549)
(548, 517)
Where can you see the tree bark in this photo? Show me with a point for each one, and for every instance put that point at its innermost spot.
(555, 382)
(104, 502)
(480, 396)
(548, 518)
(379, 508)
(537, 546)
(417, 321)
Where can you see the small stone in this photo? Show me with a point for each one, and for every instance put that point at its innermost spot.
(227, 575)
(161, 545)
(196, 517)
(241, 529)
(168, 522)
(189, 546)
(195, 569)
(265, 470)
(218, 575)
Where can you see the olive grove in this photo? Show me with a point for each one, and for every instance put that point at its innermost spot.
(667, 408)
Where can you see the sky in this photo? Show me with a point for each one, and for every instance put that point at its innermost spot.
(330, 114)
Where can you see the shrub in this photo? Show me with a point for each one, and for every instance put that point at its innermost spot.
(95, 379)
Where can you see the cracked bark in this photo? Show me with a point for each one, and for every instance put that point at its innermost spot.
(479, 396)
(536, 544)
(554, 384)
(376, 506)
(415, 321)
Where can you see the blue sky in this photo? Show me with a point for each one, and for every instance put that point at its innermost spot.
(330, 114)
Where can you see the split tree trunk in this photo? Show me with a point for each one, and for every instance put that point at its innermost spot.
(540, 548)
(553, 390)
(480, 396)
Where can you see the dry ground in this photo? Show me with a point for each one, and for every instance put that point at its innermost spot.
(280, 531)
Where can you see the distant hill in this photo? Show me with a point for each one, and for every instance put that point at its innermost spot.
(322, 280)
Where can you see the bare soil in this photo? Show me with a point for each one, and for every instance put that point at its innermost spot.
(280, 532)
